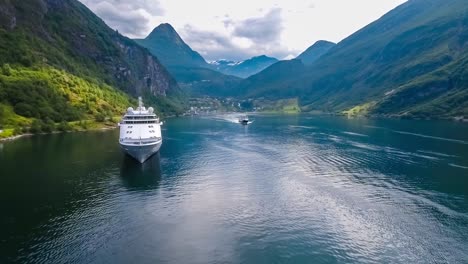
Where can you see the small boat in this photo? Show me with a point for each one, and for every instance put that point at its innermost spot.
(244, 120)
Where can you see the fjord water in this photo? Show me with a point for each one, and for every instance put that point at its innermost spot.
(286, 189)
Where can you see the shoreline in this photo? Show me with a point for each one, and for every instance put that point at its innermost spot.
(456, 119)
(56, 132)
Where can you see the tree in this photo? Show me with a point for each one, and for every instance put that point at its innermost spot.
(36, 126)
(64, 126)
(6, 69)
(101, 117)
(48, 126)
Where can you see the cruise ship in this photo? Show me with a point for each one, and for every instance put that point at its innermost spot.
(140, 132)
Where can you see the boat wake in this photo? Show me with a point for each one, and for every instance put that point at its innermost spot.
(231, 118)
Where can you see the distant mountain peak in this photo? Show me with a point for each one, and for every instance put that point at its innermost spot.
(244, 68)
(165, 43)
(164, 27)
(165, 31)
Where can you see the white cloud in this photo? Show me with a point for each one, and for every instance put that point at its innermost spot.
(244, 28)
(241, 39)
(261, 29)
(131, 18)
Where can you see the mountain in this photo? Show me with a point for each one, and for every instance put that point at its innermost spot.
(189, 68)
(198, 81)
(166, 44)
(271, 79)
(244, 69)
(61, 62)
(310, 55)
(412, 62)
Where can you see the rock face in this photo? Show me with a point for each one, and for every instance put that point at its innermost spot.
(67, 35)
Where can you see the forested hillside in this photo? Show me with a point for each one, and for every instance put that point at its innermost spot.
(60, 62)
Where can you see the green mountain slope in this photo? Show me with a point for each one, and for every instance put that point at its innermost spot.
(273, 82)
(199, 81)
(191, 71)
(314, 52)
(411, 62)
(165, 43)
(64, 57)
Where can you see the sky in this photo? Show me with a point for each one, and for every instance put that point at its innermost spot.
(237, 30)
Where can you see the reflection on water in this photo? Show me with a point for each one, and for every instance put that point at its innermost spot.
(285, 189)
(141, 176)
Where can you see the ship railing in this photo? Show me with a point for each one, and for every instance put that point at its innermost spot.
(140, 122)
(140, 141)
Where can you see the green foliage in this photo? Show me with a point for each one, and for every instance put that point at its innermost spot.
(61, 62)
(48, 126)
(100, 117)
(8, 118)
(201, 81)
(165, 106)
(6, 69)
(47, 93)
(285, 106)
(64, 126)
(83, 124)
(36, 126)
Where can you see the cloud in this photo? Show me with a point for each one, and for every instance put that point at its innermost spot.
(212, 44)
(261, 29)
(239, 30)
(131, 18)
(241, 39)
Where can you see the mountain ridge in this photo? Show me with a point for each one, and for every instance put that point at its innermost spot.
(314, 52)
(405, 64)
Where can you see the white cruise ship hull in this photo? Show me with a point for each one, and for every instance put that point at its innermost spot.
(141, 152)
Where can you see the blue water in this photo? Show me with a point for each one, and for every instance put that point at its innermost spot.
(285, 189)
